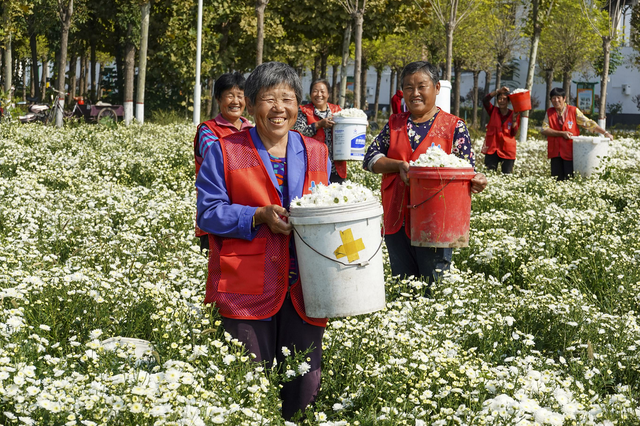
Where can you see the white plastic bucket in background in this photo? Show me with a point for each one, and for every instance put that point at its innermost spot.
(332, 284)
(349, 137)
(588, 153)
(443, 99)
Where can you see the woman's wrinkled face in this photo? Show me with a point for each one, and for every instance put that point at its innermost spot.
(419, 93)
(275, 111)
(320, 96)
(232, 104)
(558, 102)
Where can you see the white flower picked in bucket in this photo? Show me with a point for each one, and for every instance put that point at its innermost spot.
(351, 113)
(518, 91)
(436, 157)
(335, 193)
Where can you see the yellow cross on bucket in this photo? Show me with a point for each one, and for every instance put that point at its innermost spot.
(349, 247)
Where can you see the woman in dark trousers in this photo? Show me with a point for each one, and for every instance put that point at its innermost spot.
(560, 125)
(500, 141)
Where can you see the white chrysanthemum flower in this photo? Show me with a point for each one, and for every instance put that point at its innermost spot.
(304, 368)
(436, 157)
(286, 351)
(351, 113)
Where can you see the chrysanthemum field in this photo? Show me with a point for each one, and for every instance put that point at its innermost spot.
(536, 324)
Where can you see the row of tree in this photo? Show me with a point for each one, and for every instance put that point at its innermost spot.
(560, 36)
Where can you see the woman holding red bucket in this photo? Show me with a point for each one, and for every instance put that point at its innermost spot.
(500, 141)
(403, 139)
(560, 125)
(245, 185)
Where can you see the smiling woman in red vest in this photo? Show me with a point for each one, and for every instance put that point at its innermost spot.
(560, 125)
(403, 139)
(245, 185)
(229, 93)
(316, 121)
(500, 141)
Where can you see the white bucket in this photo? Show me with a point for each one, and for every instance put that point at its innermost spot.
(334, 282)
(349, 137)
(443, 99)
(587, 154)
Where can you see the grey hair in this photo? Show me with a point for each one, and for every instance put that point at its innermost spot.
(421, 66)
(272, 74)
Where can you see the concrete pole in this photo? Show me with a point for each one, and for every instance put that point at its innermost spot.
(142, 62)
(198, 88)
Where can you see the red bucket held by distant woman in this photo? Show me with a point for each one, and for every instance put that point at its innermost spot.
(440, 206)
(521, 101)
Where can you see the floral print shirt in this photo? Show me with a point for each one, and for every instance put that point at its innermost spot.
(461, 146)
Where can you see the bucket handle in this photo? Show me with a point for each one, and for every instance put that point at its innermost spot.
(415, 206)
(362, 263)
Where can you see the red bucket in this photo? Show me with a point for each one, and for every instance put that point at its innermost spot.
(521, 101)
(440, 208)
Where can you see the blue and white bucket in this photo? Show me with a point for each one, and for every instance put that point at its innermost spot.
(349, 137)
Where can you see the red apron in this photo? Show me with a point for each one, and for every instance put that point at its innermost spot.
(499, 138)
(557, 145)
(249, 279)
(395, 194)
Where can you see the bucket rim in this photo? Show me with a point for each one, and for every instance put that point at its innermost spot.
(351, 120)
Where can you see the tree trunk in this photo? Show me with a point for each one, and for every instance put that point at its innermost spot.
(533, 53)
(73, 65)
(346, 42)
(456, 89)
(65, 19)
(92, 70)
(476, 74)
(315, 72)
(33, 84)
(448, 27)
(120, 71)
(398, 82)
(99, 81)
(334, 82)
(359, 18)
(392, 91)
(142, 61)
(549, 81)
(129, 70)
(377, 101)
(363, 84)
(86, 76)
(83, 76)
(24, 79)
(566, 85)
(6, 18)
(45, 77)
(323, 65)
(487, 89)
(498, 74)
(33, 42)
(261, 5)
(606, 48)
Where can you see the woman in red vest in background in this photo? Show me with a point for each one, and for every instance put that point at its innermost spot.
(229, 92)
(560, 125)
(403, 139)
(315, 121)
(500, 141)
(245, 186)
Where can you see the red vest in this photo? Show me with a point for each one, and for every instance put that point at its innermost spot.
(220, 132)
(395, 194)
(308, 110)
(249, 279)
(499, 137)
(557, 145)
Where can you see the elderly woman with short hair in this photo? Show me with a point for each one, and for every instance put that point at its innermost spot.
(245, 185)
(229, 93)
(403, 139)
